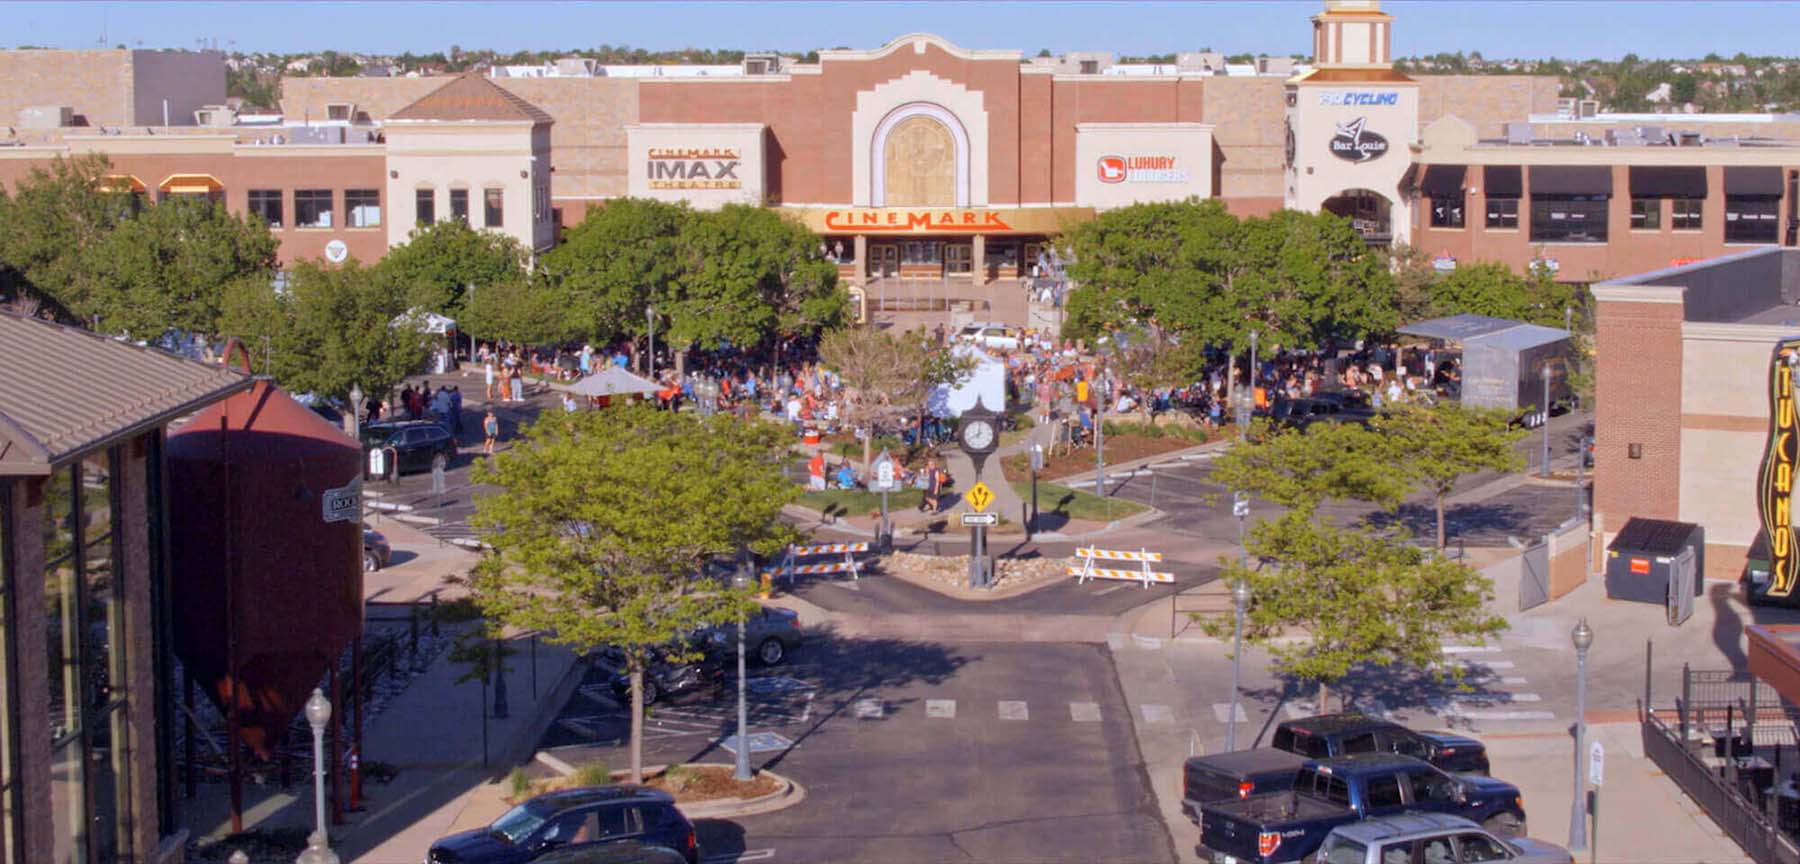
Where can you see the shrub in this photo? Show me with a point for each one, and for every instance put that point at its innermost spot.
(591, 774)
(679, 777)
(519, 783)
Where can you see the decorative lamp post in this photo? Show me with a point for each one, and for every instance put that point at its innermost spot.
(356, 401)
(1582, 637)
(1240, 599)
(318, 846)
(742, 578)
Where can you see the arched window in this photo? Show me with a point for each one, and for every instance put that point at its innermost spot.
(921, 156)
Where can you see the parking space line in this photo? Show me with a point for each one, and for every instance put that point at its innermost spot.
(1222, 710)
(1157, 713)
(1084, 712)
(1490, 664)
(943, 709)
(1300, 710)
(870, 709)
(1012, 709)
(734, 857)
(1512, 679)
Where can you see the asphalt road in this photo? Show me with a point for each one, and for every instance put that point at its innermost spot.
(915, 752)
(875, 595)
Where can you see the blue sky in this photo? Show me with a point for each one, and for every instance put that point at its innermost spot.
(1495, 28)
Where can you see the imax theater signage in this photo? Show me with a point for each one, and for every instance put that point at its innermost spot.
(693, 168)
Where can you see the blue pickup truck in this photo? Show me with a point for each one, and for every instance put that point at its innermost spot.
(1288, 826)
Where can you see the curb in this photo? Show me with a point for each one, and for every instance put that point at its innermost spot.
(788, 795)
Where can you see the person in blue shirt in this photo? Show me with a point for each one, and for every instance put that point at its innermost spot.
(846, 478)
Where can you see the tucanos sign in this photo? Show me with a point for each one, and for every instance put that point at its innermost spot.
(1354, 143)
(693, 168)
(1775, 482)
(1139, 169)
(1361, 97)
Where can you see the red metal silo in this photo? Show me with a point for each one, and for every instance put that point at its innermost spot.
(266, 541)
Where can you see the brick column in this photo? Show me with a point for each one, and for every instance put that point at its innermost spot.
(1637, 386)
(27, 641)
(978, 260)
(861, 245)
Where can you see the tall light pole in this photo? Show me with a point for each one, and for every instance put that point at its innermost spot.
(1582, 636)
(1100, 428)
(1545, 418)
(318, 846)
(741, 770)
(1247, 405)
(1240, 600)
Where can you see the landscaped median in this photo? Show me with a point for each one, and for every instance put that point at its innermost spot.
(702, 790)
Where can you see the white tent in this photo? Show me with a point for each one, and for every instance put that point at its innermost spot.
(430, 322)
(986, 382)
(610, 381)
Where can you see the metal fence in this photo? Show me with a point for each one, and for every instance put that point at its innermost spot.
(1761, 839)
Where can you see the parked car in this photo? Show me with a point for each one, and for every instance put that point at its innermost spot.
(1430, 838)
(769, 636)
(1292, 825)
(376, 551)
(990, 334)
(1349, 733)
(613, 824)
(665, 678)
(415, 442)
(1243, 773)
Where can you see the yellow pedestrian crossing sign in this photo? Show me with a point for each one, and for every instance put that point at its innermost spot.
(979, 496)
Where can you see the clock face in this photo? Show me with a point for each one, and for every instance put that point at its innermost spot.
(977, 435)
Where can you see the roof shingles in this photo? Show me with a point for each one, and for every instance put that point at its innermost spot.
(64, 390)
(472, 97)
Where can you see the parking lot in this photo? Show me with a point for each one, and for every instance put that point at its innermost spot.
(912, 752)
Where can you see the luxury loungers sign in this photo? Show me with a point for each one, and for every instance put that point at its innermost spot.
(693, 168)
(1775, 487)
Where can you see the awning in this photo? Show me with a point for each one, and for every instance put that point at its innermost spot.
(1443, 181)
(1502, 181)
(122, 183)
(1753, 181)
(1650, 181)
(1571, 180)
(191, 184)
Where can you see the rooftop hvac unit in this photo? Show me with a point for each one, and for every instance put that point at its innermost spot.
(1651, 134)
(1565, 106)
(1689, 139)
(215, 117)
(1589, 108)
(1518, 133)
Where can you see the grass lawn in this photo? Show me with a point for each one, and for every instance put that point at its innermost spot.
(1075, 504)
(858, 502)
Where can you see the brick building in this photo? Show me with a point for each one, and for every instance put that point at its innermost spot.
(86, 772)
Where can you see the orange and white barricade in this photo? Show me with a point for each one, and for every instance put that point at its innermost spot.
(791, 565)
(1086, 570)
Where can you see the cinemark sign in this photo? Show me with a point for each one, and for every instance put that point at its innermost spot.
(693, 168)
(952, 221)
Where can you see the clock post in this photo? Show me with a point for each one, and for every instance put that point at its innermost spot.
(978, 433)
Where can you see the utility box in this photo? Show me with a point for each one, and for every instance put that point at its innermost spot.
(1650, 555)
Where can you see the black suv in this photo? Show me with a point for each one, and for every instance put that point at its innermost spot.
(610, 824)
(414, 442)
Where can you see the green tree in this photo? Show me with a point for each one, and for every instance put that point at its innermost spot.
(1437, 446)
(1493, 289)
(748, 275)
(330, 328)
(440, 261)
(529, 310)
(605, 520)
(1299, 469)
(1359, 597)
(883, 374)
(169, 268)
(48, 225)
(616, 262)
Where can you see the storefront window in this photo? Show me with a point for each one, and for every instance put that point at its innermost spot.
(1502, 213)
(1752, 218)
(1568, 219)
(1003, 253)
(1646, 213)
(89, 753)
(921, 252)
(312, 208)
(493, 206)
(459, 205)
(1685, 215)
(267, 204)
(1447, 212)
(425, 206)
(364, 207)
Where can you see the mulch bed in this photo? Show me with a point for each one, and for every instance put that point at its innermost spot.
(1119, 449)
(711, 782)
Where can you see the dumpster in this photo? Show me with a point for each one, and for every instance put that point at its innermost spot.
(1650, 554)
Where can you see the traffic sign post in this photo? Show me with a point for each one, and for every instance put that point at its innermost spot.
(1037, 464)
(985, 520)
(886, 480)
(1596, 776)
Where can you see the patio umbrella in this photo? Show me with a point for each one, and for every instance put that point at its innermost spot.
(611, 381)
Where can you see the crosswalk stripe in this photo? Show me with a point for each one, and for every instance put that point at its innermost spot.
(1490, 664)
(1014, 710)
(1481, 714)
(1523, 697)
(1471, 649)
(941, 708)
(1223, 711)
(870, 709)
(1157, 713)
(1084, 712)
(1512, 679)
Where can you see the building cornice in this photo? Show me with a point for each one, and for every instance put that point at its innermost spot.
(919, 40)
(1758, 334)
(1617, 293)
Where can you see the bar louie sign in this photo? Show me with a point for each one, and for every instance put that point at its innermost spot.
(693, 168)
(904, 220)
(1355, 143)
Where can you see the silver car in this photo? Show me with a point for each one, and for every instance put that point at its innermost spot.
(1430, 838)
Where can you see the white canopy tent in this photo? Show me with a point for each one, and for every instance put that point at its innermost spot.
(611, 381)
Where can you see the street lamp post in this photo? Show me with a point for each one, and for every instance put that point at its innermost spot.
(1247, 404)
(1100, 430)
(1545, 419)
(356, 400)
(1240, 600)
(1582, 636)
(650, 323)
(318, 846)
(741, 769)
